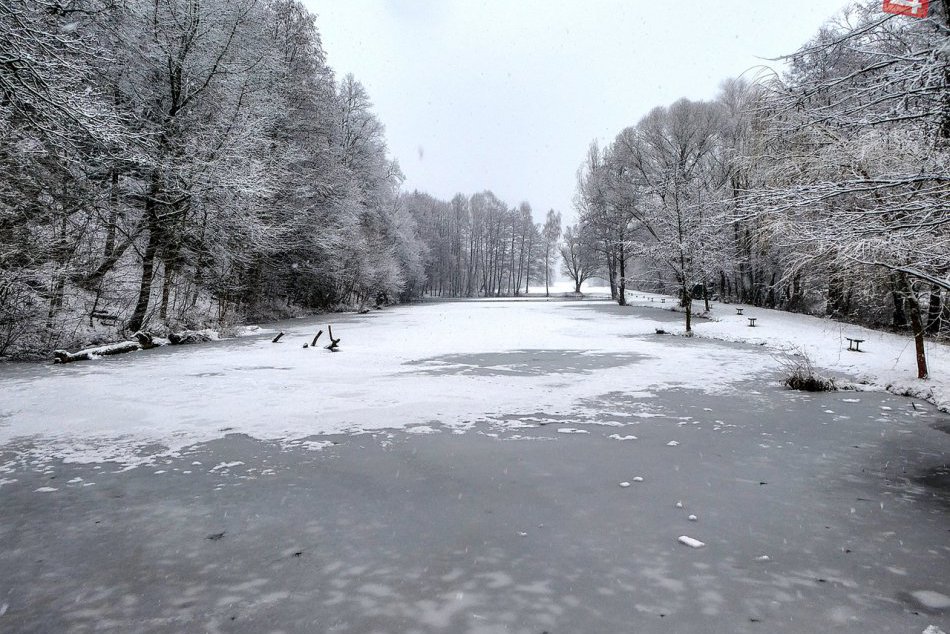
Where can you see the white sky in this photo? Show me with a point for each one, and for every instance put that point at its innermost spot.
(507, 95)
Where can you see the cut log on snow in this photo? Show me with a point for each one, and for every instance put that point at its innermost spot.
(313, 344)
(334, 343)
(277, 338)
(63, 356)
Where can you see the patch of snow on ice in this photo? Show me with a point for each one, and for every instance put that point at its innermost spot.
(691, 542)
(672, 443)
(421, 429)
(225, 465)
(619, 437)
(571, 430)
(45, 490)
(931, 599)
(624, 484)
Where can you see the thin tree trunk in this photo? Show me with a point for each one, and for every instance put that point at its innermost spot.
(917, 326)
(621, 280)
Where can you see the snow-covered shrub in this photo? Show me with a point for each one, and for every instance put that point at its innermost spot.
(800, 374)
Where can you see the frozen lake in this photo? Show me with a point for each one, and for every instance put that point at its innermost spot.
(458, 467)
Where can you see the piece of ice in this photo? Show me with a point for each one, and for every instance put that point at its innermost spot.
(619, 437)
(678, 505)
(625, 484)
(45, 490)
(763, 558)
(692, 518)
(571, 430)
(638, 479)
(672, 443)
(689, 541)
(931, 629)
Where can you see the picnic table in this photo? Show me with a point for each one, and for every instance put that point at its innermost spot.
(854, 345)
(752, 322)
(739, 311)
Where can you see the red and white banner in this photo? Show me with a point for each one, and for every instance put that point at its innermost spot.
(913, 8)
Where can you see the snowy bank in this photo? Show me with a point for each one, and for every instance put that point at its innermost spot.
(886, 360)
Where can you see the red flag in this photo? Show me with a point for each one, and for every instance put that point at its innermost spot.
(913, 8)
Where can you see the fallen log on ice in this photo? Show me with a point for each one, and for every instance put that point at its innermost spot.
(64, 356)
(334, 343)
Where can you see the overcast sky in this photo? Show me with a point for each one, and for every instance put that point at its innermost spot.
(507, 94)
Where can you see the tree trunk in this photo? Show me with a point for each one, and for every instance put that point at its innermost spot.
(621, 280)
(917, 325)
(145, 285)
(688, 305)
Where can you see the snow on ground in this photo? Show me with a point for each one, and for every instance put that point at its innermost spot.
(454, 363)
(886, 360)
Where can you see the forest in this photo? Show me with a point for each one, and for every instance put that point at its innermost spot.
(193, 163)
(825, 189)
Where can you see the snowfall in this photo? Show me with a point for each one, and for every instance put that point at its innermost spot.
(675, 476)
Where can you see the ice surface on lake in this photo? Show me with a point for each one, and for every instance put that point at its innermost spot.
(282, 391)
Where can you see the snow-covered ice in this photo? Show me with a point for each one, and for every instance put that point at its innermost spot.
(387, 376)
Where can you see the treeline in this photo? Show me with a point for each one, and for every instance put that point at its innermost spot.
(187, 163)
(824, 190)
(478, 246)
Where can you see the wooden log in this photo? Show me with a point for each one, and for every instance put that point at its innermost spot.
(334, 343)
(63, 356)
(145, 339)
(277, 338)
(313, 344)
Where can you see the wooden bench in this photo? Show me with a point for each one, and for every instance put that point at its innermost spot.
(854, 345)
(752, 322)
(739, 311)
